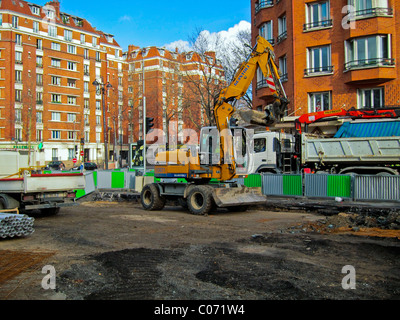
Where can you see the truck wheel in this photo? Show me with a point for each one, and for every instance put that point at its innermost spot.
(151, 199)
(200, 200)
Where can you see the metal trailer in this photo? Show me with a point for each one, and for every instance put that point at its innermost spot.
(46, 192)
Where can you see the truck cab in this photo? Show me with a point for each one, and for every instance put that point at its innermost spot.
(272, 152)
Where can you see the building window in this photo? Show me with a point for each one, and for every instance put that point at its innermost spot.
(261, 4)
(18, 95)
(318, 61)
(35, 26)
(71, 117)
(18, 39)
(39, 44)
(319, 101)
(14, 22)
(55, 116)
(71, 100)
(98, 120)
(68, 35)
(283, 68)
(39, 98)
(98, 105)
(18, 115)
(18, 76)
(39, 79)
(83, 39)
(370, 8)
(18, 57)
(54, 151)
(71, 66)
(56, 98)
(266, 31)
(371, 98)
(18, 134)
(71, 49)
(39, 117)
(98, 56)
(71, 83)
(35, 10)
(318, 15)
(55, 46)
(55, 63)
(71, 151)
(56, 81)
(39, 135)
(86, 54)
(94, 41)
(39, 61)
(55, 134)
(282, 30)
(366, 52)
(52, 30)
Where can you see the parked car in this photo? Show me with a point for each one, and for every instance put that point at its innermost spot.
(90, 166)
(55, 165)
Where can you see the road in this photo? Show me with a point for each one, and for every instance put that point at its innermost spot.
(115, 250)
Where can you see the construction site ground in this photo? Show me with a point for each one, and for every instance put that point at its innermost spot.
(114, 250)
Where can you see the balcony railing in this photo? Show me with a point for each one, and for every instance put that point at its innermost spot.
(264, 4)
(374, 12)
(367, 63)
(317, 24)
(281, 37)
(318, 70)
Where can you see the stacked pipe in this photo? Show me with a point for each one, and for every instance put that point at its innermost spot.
(15, 225)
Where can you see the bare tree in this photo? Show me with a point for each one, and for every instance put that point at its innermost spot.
(203, 79)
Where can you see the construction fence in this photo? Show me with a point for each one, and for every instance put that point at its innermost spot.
(324, 186)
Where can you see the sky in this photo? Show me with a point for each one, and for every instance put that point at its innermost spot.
(157, 23)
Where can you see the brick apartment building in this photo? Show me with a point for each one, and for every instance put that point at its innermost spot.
(48, 62)
(179, 89)
(332, 53)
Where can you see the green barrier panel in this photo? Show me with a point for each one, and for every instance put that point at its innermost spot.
(292, 185)
(95, 178)
(253, 180)
(339, 186)
(117, 180)
(80, 193)
(47, 172)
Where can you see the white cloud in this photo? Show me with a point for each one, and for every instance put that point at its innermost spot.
(125, 18)
(223, 38)
(183, 46)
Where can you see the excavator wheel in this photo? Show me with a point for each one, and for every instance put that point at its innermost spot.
(151, 199)
(200, 200)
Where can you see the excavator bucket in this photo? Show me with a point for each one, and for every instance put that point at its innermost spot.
(238, 196)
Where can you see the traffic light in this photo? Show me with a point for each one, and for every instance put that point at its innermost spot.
(149, 124)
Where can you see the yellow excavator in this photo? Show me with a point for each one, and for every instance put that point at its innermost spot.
(210, 171)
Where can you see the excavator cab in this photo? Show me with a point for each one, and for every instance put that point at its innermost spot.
(210, 147)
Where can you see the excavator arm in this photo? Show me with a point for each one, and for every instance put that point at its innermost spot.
(262, 57)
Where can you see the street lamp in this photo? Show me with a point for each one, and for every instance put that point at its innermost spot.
(101, 88)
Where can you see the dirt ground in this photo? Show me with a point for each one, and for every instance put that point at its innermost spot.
(103, 250)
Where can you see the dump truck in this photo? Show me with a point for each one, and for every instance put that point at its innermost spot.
(28, 188)
(360, 147)
(198, 193)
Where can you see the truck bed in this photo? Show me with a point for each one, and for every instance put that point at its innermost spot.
(43, 183)
(378, 150)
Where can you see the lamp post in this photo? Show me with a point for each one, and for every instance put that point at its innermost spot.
(101, 88)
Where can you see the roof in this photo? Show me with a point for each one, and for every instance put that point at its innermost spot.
(369, 129)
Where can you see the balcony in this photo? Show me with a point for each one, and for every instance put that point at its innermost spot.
(318, 71)
(370, 70)
(317, 25)
(281, 37)
(373, 12)
(369, 63)
(263, 4)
